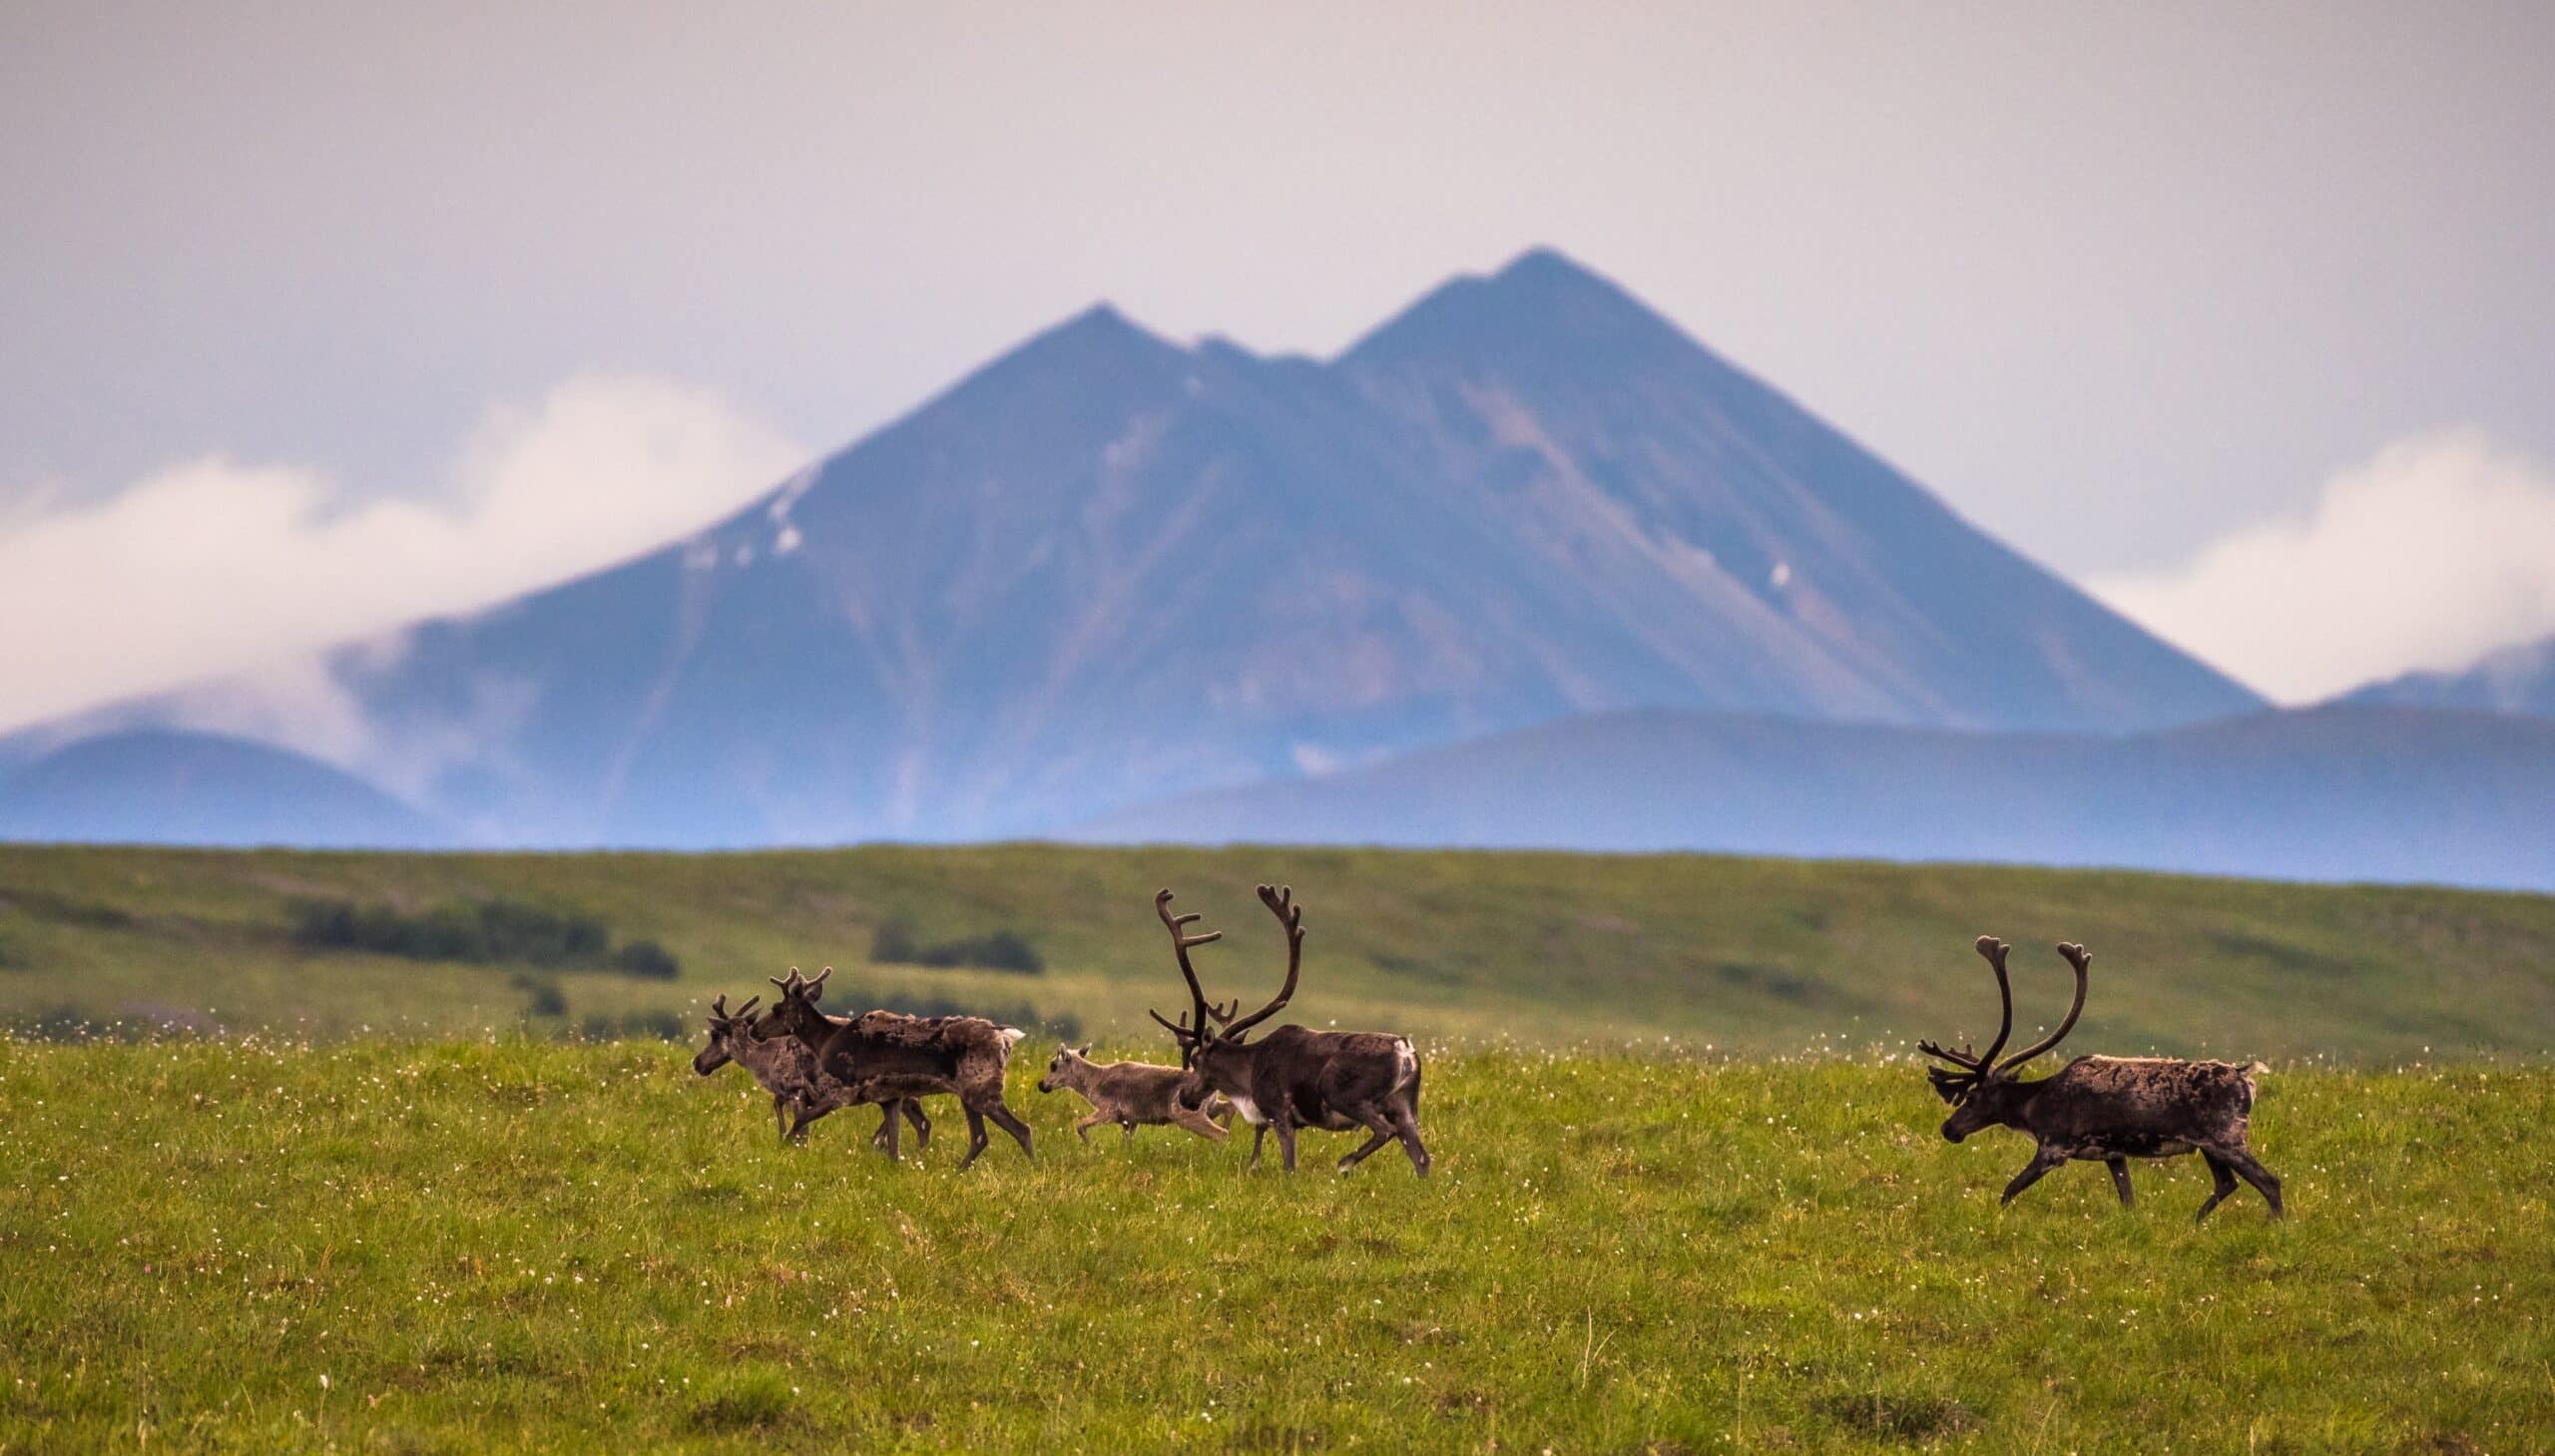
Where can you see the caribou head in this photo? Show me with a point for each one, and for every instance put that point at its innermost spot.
(1210, 1033)
(1982, 1091)
(725, 1028)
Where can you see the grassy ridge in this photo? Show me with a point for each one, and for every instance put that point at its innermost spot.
(1544, 949)
(520, 1247)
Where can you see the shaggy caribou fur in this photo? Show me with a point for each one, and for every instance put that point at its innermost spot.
(2103, 1108)
(1131, 1094)
(785, 1069)
(884, 1056)
(1339, 1080)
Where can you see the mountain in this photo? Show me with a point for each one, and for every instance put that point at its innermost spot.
(200, 788)
(2342, 792)
(2515, 679)
(1106, 568)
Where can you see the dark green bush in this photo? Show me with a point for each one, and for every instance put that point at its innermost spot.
(542, 996)
(646, 960)
(479, 932)
(895, 943)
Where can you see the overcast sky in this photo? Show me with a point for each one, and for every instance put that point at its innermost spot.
(2150, 291)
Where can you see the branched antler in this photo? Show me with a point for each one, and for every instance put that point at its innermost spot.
(1976, 1067)
(1191, 1028)
(2080, 960)
(1280, 901)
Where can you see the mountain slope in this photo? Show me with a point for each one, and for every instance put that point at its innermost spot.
(2334, 794)
(200, 788)
(1673, 481)
(2515, 679)
(1105, 568)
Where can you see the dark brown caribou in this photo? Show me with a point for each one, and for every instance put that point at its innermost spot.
(1339, 1080)
(2102, 1109)
(788, 1070)
(884, 1056)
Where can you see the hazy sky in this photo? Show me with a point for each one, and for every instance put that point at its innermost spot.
(2136, 288)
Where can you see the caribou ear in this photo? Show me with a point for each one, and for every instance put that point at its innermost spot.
(1086, 1050)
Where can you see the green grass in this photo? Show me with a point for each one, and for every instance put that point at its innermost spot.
(1756, 956)
(515, 1245)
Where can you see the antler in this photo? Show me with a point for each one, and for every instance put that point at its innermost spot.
(718, 1007)
(1974, 1066)
(741, 1012)
(793, 983)
(1994, 951)
(1181, 944)
(1280, 903)
(2080, 958)
(816, 987)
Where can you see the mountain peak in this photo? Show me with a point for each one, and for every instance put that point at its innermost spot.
(1101, 328)
(1541, 298)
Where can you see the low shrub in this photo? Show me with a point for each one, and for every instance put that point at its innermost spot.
(895, 943)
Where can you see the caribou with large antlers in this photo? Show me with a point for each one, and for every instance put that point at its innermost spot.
(2102, 1109)
(1339, 1080)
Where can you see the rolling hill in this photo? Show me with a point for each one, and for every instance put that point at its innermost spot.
(148, 785)
(1106, 568)
(2515, 679)
(1749, 956)
(2343, 792)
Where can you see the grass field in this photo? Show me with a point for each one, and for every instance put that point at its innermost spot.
(518, 1246)
(1756, 956)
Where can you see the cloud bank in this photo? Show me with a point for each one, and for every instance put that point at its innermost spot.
(2432, 554)
(214, 566)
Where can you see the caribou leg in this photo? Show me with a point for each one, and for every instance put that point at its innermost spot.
(2120, 1179)
(781, 1116)
(1083, 1128)
(2265, 1182)
(1019, 1130)
(921, 1122)
(1406, 1127)
(887, 1129)
(1285, 1139)
(975, 1135)
(1197, 1122)
(1258, 1132)
(2033, 1171)
(1375, 1121)
(2226, 1176)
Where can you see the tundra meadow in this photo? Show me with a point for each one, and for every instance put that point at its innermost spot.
(512, 1245)
(275, 1178)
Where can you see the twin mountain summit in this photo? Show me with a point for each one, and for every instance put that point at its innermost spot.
(1525, 566)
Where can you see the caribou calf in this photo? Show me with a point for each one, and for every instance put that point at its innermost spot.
(1130, 1094)
(785, 1069)
(1339, 1080)
(2103, 1108)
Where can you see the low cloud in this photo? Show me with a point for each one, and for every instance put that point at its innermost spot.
(2434, 553)
(214, 567)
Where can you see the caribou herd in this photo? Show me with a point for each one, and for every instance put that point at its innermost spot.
(2094, 1108)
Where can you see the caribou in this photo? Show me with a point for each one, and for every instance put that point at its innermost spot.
(1339, 1080)
(784, 1068)
(884, 1056)
(2102, 1109)
(1131, 1094)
